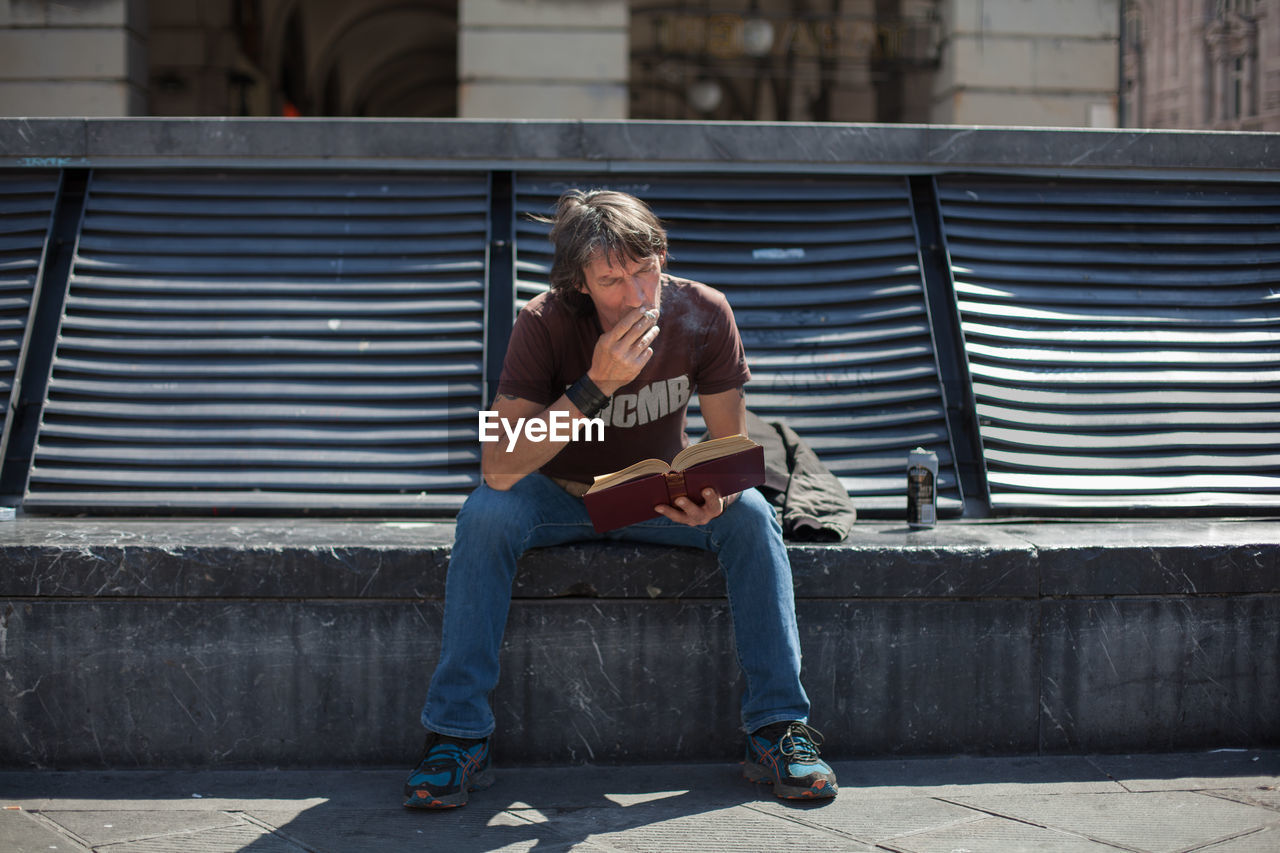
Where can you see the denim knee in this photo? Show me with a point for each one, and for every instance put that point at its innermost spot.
(490, 515)
(752, 512)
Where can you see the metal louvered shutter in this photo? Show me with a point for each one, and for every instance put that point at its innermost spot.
(26, 217)
(269, 341)
(824, 278)
(1123, 340)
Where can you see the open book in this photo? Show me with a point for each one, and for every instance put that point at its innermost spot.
(728, 465)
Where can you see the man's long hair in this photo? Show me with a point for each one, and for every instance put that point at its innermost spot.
(586, 223)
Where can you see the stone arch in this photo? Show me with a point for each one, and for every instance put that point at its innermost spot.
(393, 88)
(378, 36)
(275, 17)
(344, 42)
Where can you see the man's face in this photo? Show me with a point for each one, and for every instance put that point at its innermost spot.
(617, 285)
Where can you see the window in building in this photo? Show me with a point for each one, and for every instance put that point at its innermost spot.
(1132, 92)
(1243, 8)
(1255, 84)
(1235, 88)
(1210, 99)
(783, 60)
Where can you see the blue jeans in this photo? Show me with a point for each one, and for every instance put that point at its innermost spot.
(494, 528)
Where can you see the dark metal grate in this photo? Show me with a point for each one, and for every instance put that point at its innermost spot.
(1124, 340)
(824, 278)
(26, 216)
(269, 341)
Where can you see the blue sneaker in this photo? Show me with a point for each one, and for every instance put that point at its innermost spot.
(785, 755)
(450, 769)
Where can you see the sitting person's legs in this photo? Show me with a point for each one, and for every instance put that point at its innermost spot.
(494, 528)
(747, 541)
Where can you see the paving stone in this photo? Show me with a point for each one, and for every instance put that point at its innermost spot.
(877, 819)
(734, 829)
(1246, 768)
(952, 776)
(195, 790)
(1263, 841)
(1062, 804)
(1161, 822)
(716, 785)
(23, 833)
(109, 827)
(229, 839)
(1266, 796)
(394, 828)
(996, 834)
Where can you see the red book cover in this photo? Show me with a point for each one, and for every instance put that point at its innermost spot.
(633, 500)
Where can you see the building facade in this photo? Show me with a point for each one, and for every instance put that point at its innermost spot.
(1210, 64)
(1029, 63)
(1011, 62)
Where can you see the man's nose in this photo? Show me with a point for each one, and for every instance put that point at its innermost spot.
(637, 294)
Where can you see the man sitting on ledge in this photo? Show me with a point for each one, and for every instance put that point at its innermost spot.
(613, 330)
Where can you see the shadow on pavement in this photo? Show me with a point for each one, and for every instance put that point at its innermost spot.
(633, 808)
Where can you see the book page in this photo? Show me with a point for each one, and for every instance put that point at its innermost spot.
(713, 449)
(643, 468)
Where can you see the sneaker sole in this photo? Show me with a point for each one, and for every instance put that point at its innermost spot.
(763, 776)
(425, 800)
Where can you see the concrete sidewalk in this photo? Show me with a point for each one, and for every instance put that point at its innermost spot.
(1222, 801)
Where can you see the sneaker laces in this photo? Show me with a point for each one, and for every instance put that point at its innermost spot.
(800, 741)
(435, 739)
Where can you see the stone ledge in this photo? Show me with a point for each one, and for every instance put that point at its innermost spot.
(406, 560)
(261, 642)
(623, 144)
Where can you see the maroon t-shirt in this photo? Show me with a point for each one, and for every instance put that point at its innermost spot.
(698, 349)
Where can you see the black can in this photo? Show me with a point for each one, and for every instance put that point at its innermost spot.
(922, 488)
